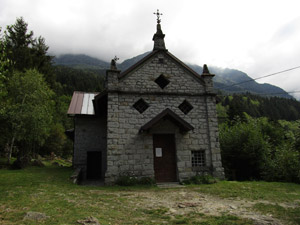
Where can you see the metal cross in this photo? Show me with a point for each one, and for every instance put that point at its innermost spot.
(158, 15)
(116, 58)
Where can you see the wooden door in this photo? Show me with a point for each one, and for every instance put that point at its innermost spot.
(94, 165)
(164, 157)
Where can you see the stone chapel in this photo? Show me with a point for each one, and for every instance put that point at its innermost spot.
(156, 119)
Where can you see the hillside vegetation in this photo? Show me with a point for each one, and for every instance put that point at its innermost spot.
(223, 80)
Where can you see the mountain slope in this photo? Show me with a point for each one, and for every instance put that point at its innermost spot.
(226, 80)
(81, 62)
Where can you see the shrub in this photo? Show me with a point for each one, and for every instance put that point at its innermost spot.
(126, 180)
(244, 149)
(203, 179)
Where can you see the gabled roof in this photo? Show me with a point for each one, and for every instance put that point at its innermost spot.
(82, 103)
(154, 52)
(137, 64)
(173, 117)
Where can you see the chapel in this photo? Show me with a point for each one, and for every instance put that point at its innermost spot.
(156, 119)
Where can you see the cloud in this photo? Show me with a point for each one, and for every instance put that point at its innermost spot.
(280, 52)
(258, 37)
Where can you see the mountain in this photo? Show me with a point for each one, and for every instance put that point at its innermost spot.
(129, 62)
(226, 80)
(80, 62)
(235, 81)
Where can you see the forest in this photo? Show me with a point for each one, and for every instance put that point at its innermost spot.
(261, 133)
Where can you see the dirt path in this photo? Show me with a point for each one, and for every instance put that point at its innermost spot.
(180, 201)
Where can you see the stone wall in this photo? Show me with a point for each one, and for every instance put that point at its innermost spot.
(90, 135)
(131, 153)
(142, 79)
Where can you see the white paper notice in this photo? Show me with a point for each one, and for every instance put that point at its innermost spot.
(158, 152)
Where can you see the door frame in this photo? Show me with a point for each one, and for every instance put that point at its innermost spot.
(174, 150)
(95, 176)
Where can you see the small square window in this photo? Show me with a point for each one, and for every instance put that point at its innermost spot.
(162, 81)
(198, 158)
(185, 107)
(141, 105)
(161, 60)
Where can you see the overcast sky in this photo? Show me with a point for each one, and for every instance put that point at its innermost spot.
(258, 37)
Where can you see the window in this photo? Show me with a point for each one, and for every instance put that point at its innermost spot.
(161, 60)
(185, 107)
(141, 105)
(162, 81)
(198, 158)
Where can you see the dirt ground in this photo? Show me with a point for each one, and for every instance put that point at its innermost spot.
(180, 201)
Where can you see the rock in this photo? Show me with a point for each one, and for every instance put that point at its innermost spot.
(233, 207)
(37, 216)
(89, 221)
(38, 163)
(187, 204)
(21, 162)
(173, 210)
(56, 164)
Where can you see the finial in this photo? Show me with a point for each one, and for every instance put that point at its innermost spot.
(205, 69)
(158, 16)
(113, 64)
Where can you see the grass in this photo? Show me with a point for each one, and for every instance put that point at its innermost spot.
(288, 214)
(48, 190)
(253, 190)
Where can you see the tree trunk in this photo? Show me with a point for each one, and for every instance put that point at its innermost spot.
(14, 136)
(10, 149)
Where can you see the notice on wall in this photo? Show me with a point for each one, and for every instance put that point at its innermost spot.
(158, 152)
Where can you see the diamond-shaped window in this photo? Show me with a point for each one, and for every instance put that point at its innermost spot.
(185, 107)
(141, 105)
(162, 81)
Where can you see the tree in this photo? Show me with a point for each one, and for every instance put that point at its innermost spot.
(28, 52)
(18, 42)
(30, 111)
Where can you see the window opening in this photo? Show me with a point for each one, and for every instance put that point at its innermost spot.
(198, 158)
(185, 107)
(162, 81)
(141, 105)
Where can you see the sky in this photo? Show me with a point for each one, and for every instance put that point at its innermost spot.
(258, 37)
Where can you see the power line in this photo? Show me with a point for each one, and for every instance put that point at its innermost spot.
(269, 75)
(271, 93)
(288, 92)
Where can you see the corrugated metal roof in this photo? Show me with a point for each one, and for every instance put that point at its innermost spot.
(82, 103)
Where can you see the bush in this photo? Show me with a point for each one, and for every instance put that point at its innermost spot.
(284, 166)
(204, 179)
(126, 180)
(244, 149)
(256, 149)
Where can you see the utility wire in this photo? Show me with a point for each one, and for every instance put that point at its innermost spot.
(289, 92)
(269, 75)
(274, 93)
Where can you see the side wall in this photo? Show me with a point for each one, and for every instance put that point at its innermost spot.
(90, 135)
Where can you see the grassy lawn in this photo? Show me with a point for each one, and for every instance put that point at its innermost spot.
(48, 190)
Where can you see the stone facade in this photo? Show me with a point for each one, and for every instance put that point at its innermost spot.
(124, 133)
(129, 151)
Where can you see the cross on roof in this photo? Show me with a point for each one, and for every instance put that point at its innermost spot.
(116, 58)
(158, 15)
